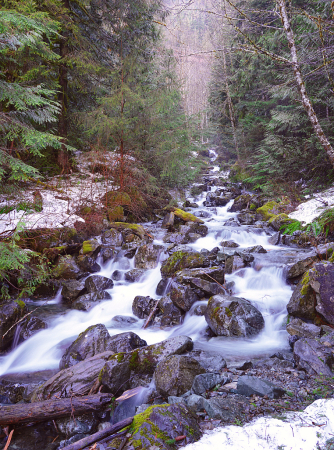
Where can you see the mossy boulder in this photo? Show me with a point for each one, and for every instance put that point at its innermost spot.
(147, 256)
(268, 210)
(183, 215)
(91, 247)
(279, 220)
(116, 198)
(159, 425)
(313, 296)
(136, 229)
(43, 238)
(116, 213)
(66, 268)
(233, 317)
(241, 202)
(183, 260)
(175, 375)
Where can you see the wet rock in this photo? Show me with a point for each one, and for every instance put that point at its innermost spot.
(301, 266)
(292, 340)
(303, 300)
(125, 342)
(88, 263)
(97, 284)
(199, 310)
(147, 256)
(229, 244)
(204, 214)
(241, 202)
(303, 329)
(171, 421)
(87, 301)
(183, 296)
(246, 218)
(171, 314)
(214, 199)
(175, 375)
(234, 263)
(168, 220)
(180, 260)
(246, 256)
(31, 326)
(107, 254)
(112, 237)
(142, 306)
(185, 216)
(233, 316)
(256, 249)
(90, 342)
(122, 321)
(227, 409)
(207, 381)
(197, 189)
(72, 289)
(162, 287)
(209, 274)
(115, 374)
(194, 402)
(275, 238)
(313, 357)
(66, 268)
(189, 204)
(249, 385)
(116, 275)
(84, 424)
(274, 363)
(37, 437)
(232, 223)
(134, 275)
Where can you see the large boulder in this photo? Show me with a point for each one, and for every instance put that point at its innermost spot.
(206, 381)
(10, 312)
(132, 276)
(314, 357)
(297, 327)
(112, 238)
(142, 306)
(160, 425)
(234, 263)
(312, 297)
(97, 284)
(211, 274)
(301, 266)
(241, 202)
(184, 216)
(66, 268)
(171, 314)
(180, 260)
(183, 296)
(233, 316)
(147, 256)
(175, 375)
(72, 289)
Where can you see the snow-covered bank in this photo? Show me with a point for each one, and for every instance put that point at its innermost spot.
(310, 210)
(307, 430)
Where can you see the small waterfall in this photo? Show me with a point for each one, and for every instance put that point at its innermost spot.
(16, 336)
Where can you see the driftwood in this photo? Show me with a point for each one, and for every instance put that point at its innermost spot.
(99, 435)
(51, 409)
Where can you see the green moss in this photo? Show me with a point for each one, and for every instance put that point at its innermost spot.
(252, 206)
(135, 228)
(87, 247)
(186, 216)
(116, 213)
(228, 312)
(100, 375)
(21, 304)
(268, 210)
(120, 357)
(152, 432)
(134, 361)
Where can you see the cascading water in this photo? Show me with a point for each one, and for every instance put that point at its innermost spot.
(263, 284)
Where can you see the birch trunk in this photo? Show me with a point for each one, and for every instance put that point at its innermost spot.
(301, 85)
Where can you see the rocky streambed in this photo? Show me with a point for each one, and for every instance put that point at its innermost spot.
(205, 317)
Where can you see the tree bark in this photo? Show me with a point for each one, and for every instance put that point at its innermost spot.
(301, 85)
(99, 435)
(51, 409)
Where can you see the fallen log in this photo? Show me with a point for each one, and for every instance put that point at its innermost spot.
(51, 409)
(99, 435)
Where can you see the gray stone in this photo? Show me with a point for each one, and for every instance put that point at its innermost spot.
(229, 244)
(88, 263)
(212, 362)
(303, 329)
(227, 409)
(313, 357)
(66, 268)
(72, 289)
(301, 266)
(183, 296)
(175, 375)
(69, 426)
(134, 275)
(142, 306)
(249, 385)
(195, 402)
(275, 238)
(233, 316)
(171, 314)
(147, 256)
(168, 220)
(234, 263)
(112, 238)
(98, 284)
(206, 381)
(172, 400)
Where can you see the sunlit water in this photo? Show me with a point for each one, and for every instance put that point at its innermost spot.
(265, 288)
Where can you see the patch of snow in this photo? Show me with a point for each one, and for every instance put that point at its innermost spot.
(307, 430)
(310, 210)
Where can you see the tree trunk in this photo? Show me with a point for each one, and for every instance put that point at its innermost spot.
(63, 159)
(301, 85)
(51, 409)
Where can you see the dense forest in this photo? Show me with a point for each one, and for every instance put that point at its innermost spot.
(166, 224)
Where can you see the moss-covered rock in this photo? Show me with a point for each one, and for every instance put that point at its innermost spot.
(90, 247)
(147, 256)
(66, 268)
(159, 425)
(183, 260)
(268, 210)
(183, 215)
(277, 221)
(241, 202)
(43, 238)
(135, 228)
(116, 213)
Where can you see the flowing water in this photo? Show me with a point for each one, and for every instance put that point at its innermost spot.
(263, 284)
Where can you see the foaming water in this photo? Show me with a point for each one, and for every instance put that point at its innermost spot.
(265, 288)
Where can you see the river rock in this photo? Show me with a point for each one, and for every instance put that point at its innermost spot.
(87, 301)
(206, 381)
(112, 238)
(211, 274)
(142, 306)
(313, 357)
(275, 238)
(115, 374)
(214, 199)
(246, 218)
(180, 260)
(171, 314)
(88, 263)
(301, 266)
(249, 385)
(97, 284)
(93, 340)
(234, 263)
(212, 362)
(163, 287)
(84, 424)
(120, 321)
(134, 275)
(107, 254)
(147, 256)
(31, 326)
(125, 342)
(229, 244)
(233, 316)
(183, 296)
(241, 202)
(229, 409)
(66, 268)
(168, 220)
(91, 247)
(256, 249)
(171, 421)
(175, 375)
(303, 329)
(72, 289)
